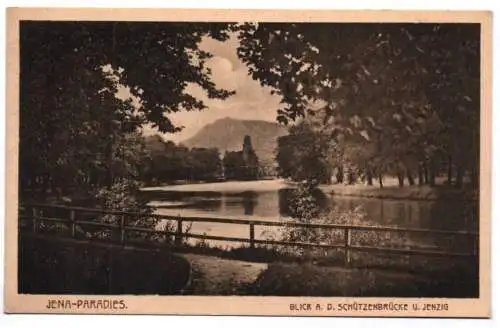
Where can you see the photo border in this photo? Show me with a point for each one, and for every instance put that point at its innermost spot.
(245, 305)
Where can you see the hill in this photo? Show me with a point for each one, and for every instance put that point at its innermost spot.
(227, 135)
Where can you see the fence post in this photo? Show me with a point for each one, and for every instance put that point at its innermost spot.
(252, 235)
(178, 237)
(347, 244)
(122, 229)
(34, 213)
(73, 225)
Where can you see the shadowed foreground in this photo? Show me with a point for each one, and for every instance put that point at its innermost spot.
(284, 279)
(54, 267)
(212, 275)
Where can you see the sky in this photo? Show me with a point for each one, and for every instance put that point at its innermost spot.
(251, 100)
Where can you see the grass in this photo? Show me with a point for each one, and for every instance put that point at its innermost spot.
(447, 271)
(48, 266)
(286, 279)
(213, 275)
(404, 193)
(51, 266)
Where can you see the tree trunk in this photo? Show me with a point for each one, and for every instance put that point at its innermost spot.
(401, 179)
(45, 187)
(426, 174)
(369, 177)
(109, 179)
(420, 175)
(432, 175)
(411, 180)
(450, 171)
(380, 181)
(474, 177)
(460, 177)
(350, 177)
(340, 174)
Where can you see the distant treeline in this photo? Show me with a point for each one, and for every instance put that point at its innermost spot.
(167, 162)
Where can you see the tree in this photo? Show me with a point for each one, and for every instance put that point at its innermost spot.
(242, 165)
(304, 154)
(70, 117)
(204, 164)
(168, 162)
(233, 165)
(407, 89)
(250, 159)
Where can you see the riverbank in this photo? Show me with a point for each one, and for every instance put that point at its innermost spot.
(391, 190)
(421, 193)
(226, 186)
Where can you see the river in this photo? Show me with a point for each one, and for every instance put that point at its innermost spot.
(270, 201)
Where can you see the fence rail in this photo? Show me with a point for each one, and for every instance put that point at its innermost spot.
(36, 216)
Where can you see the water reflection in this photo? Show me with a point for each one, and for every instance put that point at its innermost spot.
(380, 212)
(249, 201)
(288, 198)
(446, 215)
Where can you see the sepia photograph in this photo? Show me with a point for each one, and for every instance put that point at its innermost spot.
(246, 157)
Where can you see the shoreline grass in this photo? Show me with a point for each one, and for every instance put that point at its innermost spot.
(285, 279)
(416, 193)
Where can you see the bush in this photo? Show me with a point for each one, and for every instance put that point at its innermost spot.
(304, 209)
(123, 196)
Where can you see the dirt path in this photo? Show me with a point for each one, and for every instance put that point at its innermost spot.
(212, 275)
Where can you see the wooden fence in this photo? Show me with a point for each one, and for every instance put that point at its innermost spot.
(34, 213)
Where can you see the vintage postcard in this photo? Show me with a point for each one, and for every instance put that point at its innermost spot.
(246, 162)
